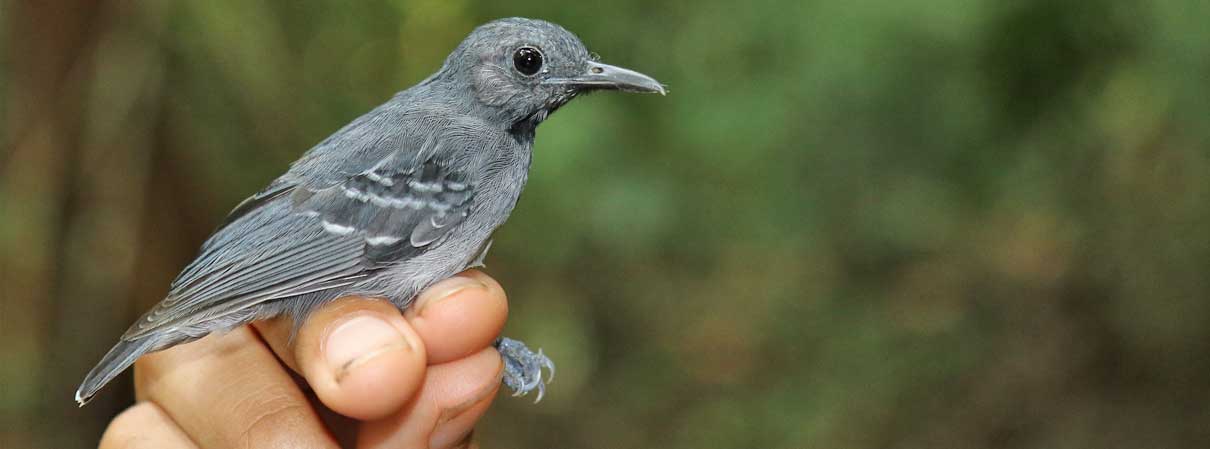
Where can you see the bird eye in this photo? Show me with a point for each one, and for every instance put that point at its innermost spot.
(527, 60)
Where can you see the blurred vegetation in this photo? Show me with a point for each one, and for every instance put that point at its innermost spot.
(916, 224)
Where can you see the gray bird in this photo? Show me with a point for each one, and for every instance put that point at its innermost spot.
(401, 198)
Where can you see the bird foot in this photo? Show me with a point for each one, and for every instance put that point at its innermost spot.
(523, 368)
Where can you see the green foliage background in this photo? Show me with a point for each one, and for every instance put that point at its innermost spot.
(852, 224)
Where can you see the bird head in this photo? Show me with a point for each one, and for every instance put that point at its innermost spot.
(525, 69)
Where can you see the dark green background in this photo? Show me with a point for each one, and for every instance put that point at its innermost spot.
(859, 224)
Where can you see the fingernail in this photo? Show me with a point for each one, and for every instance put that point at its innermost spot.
(445, 289)
(358, 340)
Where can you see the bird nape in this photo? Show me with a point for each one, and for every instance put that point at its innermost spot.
(403, 197)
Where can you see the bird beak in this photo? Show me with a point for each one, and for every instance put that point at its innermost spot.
(605, 76)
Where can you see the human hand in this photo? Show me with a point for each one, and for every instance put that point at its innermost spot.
(358, 372)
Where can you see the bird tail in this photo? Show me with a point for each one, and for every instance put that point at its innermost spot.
(115, 361)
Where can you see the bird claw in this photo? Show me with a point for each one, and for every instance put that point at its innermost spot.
(523, 368)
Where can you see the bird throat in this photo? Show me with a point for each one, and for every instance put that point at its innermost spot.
(529, 123)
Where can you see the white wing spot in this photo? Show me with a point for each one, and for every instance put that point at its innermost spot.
(355, 194)
(397, 203)
(424, 186)
(380, 201)
(380, 179)
(337, 229)
(380, 240)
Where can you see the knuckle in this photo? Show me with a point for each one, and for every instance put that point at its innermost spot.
(268, 418)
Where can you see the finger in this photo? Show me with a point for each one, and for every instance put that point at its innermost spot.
(229, 391)
(454, 318)
(454, 396)
(362, 359)
(459, 316)
(144, 426)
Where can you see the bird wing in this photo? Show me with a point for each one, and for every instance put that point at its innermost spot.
(294, 238)
(398, 212)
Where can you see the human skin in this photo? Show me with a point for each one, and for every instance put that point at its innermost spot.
(358, 373)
